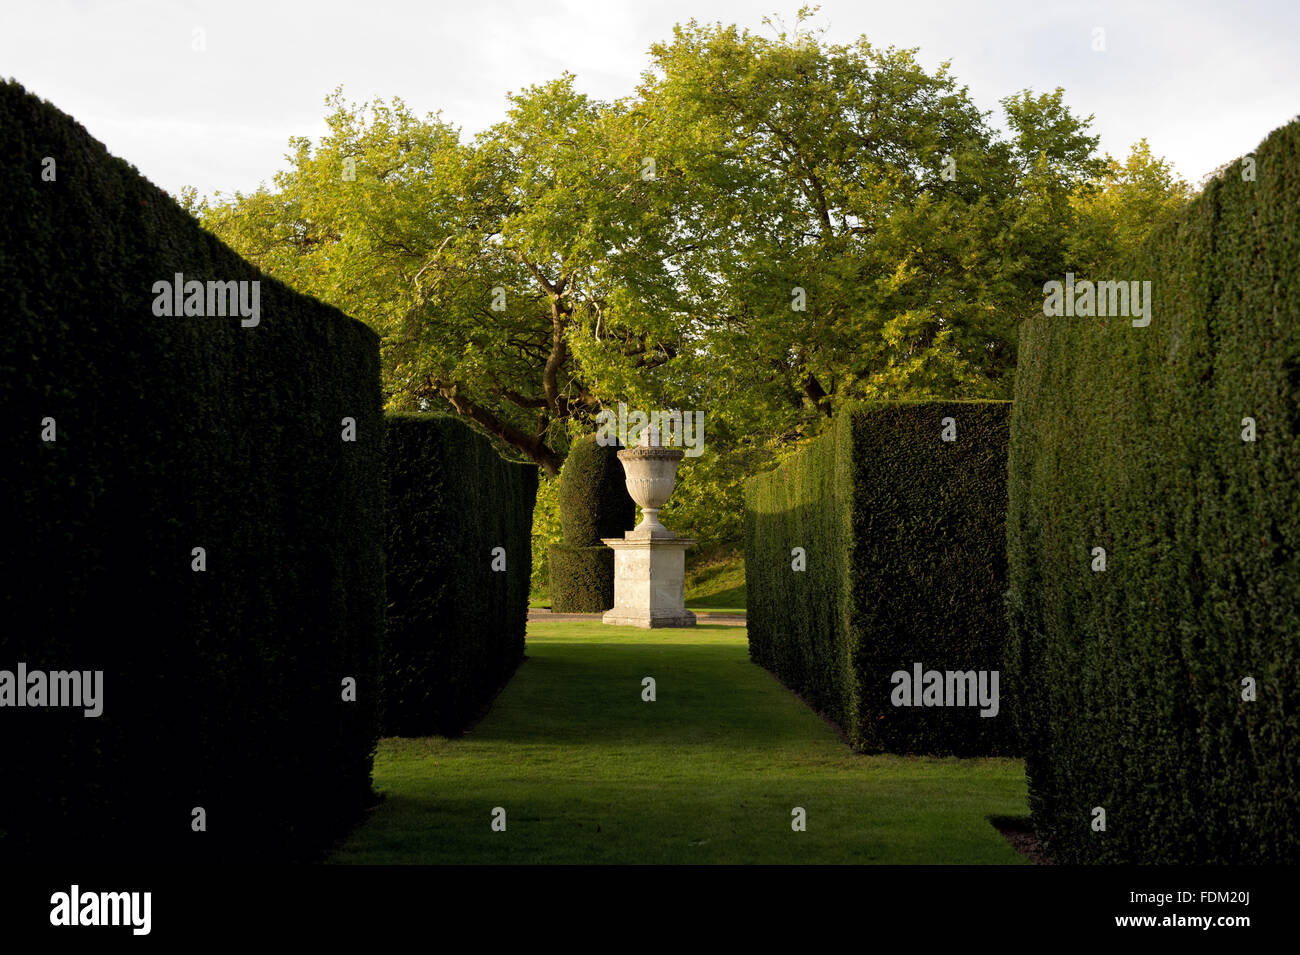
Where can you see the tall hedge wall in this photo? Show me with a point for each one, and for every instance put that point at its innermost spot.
(903, 535)
(455, 624)
(594, 504)
(222, 688)
(1131, 439)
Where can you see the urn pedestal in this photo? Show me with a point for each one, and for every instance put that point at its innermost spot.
(649, 583)
(649, 560)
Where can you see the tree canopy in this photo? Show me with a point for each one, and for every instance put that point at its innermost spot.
(767, 227)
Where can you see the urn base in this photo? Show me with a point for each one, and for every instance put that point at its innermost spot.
(649, 583)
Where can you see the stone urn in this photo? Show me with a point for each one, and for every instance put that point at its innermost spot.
(651, 475)
(650, 560)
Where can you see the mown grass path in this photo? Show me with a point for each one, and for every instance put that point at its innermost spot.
(709, 772)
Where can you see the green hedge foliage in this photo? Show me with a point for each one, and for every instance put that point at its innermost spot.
(1130, 439)
(222, 689)
(594, 504)
(903, 536)
(455, 624)
(582, 578)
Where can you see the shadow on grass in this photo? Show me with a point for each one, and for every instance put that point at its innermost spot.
(704, 694)
(589, 771)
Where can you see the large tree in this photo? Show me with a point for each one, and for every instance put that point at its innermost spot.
(768, 227)
(481, 264)
(882, 240)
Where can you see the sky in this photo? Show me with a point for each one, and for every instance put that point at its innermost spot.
(207, 94)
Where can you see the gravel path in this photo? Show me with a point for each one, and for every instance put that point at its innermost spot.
(701, 616)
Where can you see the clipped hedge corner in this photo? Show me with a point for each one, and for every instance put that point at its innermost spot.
(901, 535)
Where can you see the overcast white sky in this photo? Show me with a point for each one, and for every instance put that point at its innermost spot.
(1203, 81)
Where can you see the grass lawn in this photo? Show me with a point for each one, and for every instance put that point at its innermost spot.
(709, 772)
(719, 585)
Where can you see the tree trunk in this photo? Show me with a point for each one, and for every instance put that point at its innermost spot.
(532, 445)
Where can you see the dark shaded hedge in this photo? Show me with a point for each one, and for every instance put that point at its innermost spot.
(594, 504)
(1131, 439)
(222, 689)
(582, 578)
(455, 625)
(904, 536)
